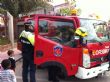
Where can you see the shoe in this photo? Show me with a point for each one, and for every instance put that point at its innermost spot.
(56, 81)
(49, 79)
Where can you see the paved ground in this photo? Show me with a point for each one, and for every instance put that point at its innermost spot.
(3, 55)
(41, 76)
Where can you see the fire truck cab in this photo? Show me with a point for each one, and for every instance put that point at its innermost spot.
(56, 45)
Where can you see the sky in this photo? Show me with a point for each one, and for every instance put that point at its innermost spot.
(100, 7)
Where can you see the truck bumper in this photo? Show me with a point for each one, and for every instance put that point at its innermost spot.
(84, 73)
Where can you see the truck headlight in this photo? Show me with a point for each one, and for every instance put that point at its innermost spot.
(86, 58)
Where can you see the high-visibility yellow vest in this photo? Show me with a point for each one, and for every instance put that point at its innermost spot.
(28, 35)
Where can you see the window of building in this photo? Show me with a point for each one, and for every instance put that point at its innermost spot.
(43, 26)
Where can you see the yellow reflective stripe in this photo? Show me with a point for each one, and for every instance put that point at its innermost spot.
(31, 38)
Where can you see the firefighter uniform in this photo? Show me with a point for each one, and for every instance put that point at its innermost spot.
(81, 33)
(27, 40)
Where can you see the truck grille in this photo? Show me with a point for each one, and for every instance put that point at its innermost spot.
(102, 59)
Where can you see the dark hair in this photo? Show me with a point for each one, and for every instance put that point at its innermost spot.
(6, 63)
(10, 52)
(27, 25)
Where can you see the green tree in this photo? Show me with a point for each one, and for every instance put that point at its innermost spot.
(16, 7)
(2, 11)
(11, 6)
(71, 6)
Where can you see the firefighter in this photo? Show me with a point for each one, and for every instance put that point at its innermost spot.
(76, 37)
(81, 33)
(27, 40)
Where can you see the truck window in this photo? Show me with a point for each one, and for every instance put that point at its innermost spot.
(100, 30)
(59, 31)
(97, 30)
(43, 26)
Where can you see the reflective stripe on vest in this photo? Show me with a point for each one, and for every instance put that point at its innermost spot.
(31, 38)
(28, 36)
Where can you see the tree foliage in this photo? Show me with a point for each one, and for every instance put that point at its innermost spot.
(16, 7)
(29, 5)
(70, 8)
(11, 6)
(2, 11)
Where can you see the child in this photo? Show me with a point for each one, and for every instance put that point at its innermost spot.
(11, 58)
(7, 75)
(0, 67)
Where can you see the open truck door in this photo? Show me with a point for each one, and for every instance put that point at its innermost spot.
(52, 47)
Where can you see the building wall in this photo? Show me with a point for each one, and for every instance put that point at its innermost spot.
(2, 26)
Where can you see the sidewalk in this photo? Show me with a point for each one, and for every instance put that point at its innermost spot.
(3, 55)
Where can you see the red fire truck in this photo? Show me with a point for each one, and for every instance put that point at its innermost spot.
(83, 60)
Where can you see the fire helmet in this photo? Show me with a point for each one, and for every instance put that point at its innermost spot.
(81, 31)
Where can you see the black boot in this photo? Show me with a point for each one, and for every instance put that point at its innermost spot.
(55, 81)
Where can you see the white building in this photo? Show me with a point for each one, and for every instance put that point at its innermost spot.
(56, 5)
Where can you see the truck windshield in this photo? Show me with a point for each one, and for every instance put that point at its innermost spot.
(96, 29)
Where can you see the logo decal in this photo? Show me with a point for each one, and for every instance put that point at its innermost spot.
(58, 50)
(97, 52)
